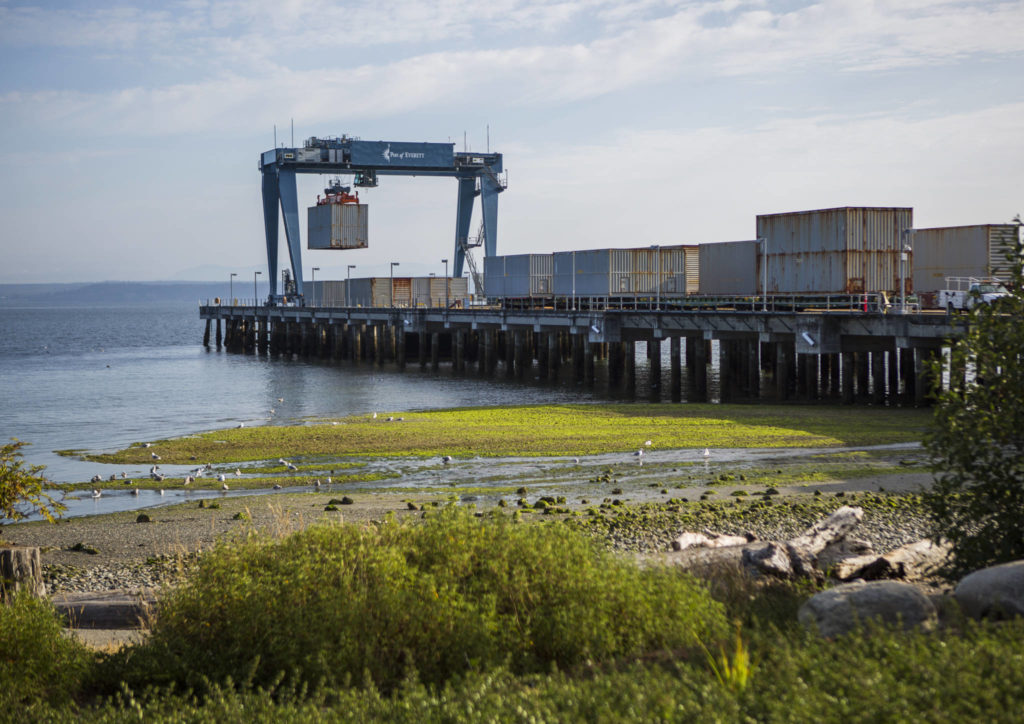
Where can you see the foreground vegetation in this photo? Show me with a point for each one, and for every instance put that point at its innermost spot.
(458, 618)
(544, 430)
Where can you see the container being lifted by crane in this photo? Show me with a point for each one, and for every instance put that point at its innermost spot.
(478, 174)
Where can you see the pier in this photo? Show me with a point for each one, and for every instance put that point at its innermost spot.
(846, 357)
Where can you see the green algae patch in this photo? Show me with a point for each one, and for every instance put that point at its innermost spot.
(545, 430)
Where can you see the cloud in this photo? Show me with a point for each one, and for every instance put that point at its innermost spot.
(659, 43)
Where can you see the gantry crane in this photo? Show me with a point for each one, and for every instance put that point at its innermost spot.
(478, 174)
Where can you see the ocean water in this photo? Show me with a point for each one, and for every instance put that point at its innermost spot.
(101, 378)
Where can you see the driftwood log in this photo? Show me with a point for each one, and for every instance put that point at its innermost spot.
(21, 568)
(824, 549)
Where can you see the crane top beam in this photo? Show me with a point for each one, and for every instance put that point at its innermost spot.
(350, 155)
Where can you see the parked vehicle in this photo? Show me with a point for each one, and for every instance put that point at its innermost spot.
(962, 293)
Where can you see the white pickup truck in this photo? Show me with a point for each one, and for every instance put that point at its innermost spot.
(964, 292)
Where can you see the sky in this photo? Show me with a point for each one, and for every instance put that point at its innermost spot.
(133, 130)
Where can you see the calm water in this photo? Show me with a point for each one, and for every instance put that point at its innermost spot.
(101, 378)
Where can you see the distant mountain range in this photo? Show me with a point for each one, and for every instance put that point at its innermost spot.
(118, 293)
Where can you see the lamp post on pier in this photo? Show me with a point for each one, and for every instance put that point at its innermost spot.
(393, 265)
(445, 262)
(255, 294)
(764, 270)
(312, 282)
(348, 283)
(231, 282)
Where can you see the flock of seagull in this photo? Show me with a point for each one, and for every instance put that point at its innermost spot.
(195, 474)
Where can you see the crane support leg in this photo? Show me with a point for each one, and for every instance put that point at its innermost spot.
(464, 214)
(270, 201)
(290, 211)
(489, 191)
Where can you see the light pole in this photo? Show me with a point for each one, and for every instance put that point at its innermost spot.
(764, 270)
(445, 262)
(657, 275)
(574, 280)
(312, 282)
(904, 258)
(393, 265)
(348, 283)
(231, 281)
(255, 294)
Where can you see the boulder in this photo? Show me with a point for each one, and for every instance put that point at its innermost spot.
(996, 592)
(844, 608)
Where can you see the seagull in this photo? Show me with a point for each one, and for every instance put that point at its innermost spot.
(375, 416)
(161, 491)
(282, 461)
(224, 486)
(446, 459)
(135, 492)
(272, 410)
(277, 486)
(188, 479)
(316, 484)
(148, 444)
(638, 453)
(707, 453)
(576, 460)
(113, 477)
(221, 478)
(389, 419)
(334, 423)
(648, 443)
(124, 475)
(290, 466)
(96, 479)
(96, 493)
(280, 399)
(328, 481)
(154, 456)
(241, 424)
(238, 473)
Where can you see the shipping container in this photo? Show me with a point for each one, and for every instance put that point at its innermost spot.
(980, 251)
(729, 268)
(325, 293)
(337, 226)
(834, 251)
(518, 275)
(644, 272)
(408, 292)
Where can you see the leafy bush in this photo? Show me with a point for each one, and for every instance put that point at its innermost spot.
(335, 604)
(977, 438)
(37, 662)
(889, 675)
(22, 486)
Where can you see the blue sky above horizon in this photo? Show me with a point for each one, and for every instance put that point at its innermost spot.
(134, 129)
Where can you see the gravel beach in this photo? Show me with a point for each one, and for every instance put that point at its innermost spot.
(116, 552)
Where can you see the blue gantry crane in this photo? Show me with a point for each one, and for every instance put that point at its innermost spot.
(478, 174)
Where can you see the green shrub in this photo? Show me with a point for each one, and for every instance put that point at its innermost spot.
(37, 662)
(976, 442)
(336, 604)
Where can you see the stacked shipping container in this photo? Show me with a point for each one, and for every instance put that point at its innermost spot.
(835, 251)
(961, 251)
